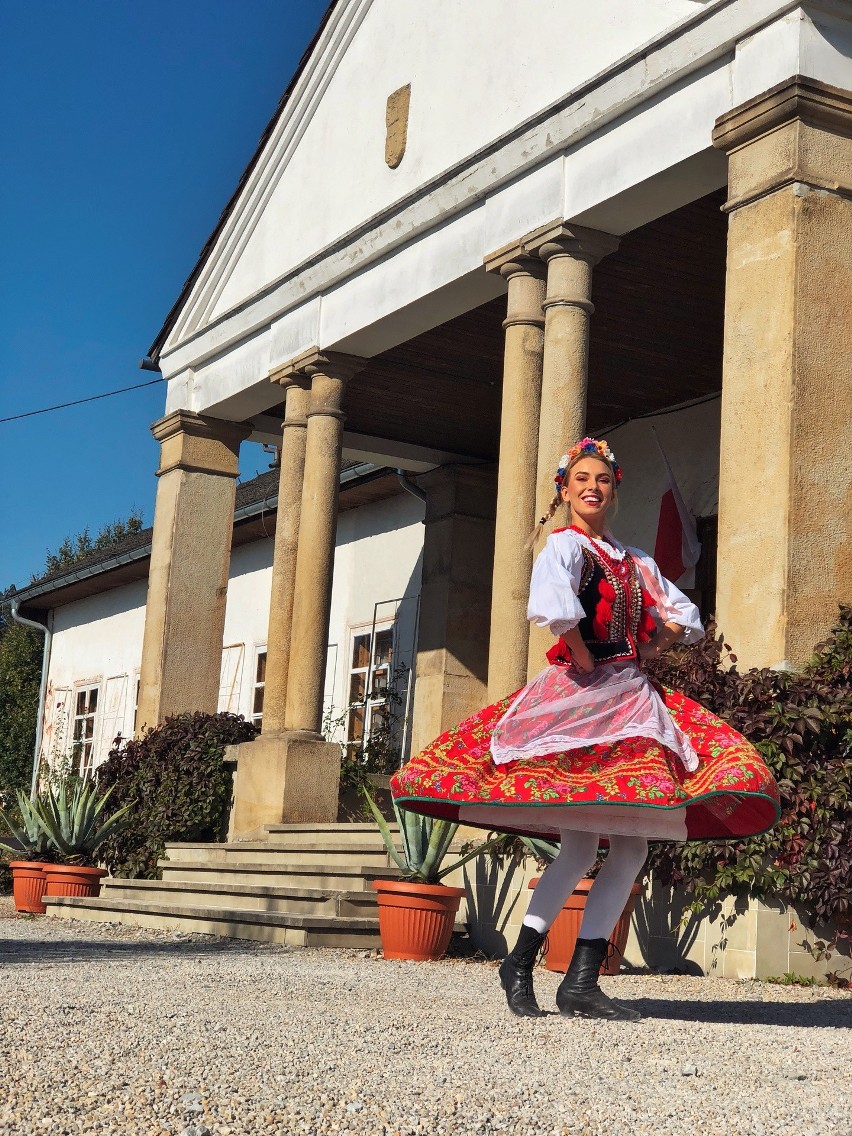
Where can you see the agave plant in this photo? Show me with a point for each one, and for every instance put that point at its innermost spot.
(425, 842)
(73, 821)
(31, 841)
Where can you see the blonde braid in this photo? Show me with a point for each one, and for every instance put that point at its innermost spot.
(539, 528)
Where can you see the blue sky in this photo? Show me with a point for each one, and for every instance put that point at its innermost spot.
(124, 127)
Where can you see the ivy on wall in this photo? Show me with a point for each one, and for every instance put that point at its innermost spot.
(802, 725)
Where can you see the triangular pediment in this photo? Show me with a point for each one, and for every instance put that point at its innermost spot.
(392, 96)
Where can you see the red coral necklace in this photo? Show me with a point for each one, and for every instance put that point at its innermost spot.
(621, 568)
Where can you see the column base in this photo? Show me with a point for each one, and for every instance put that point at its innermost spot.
(285, 778)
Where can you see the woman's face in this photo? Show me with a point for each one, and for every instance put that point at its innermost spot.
(588, 491)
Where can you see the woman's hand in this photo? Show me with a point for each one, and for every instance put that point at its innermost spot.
(667, 636)
(583, 659)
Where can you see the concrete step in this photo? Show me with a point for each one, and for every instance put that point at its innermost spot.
(266, 852)
(286, 928)
(347, 877)
(328, 834)
(244, 897)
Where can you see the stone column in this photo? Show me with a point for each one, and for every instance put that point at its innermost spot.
(290, 482)
(190, 558)
(785, 545)
(522, 362)
(570, 252)
(329, 373)
(290, 773)
(455, 598)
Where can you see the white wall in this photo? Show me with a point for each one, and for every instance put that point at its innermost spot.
(476, 70)
(98, 641)
(327, 246)
(690, 440)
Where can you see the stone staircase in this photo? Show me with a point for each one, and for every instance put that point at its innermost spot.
(302, 885)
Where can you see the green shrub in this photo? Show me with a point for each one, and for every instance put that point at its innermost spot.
(175, 777)
(802, 725)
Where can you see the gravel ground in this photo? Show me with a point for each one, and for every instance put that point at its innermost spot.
(112, 1030)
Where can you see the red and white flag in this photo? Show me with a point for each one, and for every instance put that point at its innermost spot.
(677, 547)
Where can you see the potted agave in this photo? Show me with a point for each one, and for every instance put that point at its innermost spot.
(71, 816)
(417, 913)
(31, 845)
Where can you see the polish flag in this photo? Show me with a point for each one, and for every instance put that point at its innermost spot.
(677, 547)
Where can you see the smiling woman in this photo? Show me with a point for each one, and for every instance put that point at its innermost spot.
(591, 749)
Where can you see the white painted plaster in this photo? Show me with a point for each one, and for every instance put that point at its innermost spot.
(657, 137)
(94, 640)
(99, 638)
(690, 440)
(497, 64)
(802, 42)
(622, 93)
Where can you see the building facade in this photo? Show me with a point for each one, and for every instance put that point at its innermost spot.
(470, 234)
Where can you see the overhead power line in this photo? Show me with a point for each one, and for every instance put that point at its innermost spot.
(79, 401)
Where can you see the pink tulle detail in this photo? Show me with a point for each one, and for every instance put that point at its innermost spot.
(563, 710)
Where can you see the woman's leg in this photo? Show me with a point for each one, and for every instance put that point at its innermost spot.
(576, 855)
(577, 852)
(610, 891)
(579, 992)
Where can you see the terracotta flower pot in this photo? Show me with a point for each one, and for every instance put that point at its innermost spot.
(566, 929)
(73, 879)
(28, 884)
(416, 920)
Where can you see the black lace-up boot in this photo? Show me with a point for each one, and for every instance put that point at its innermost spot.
(516, 974)
(579, 992)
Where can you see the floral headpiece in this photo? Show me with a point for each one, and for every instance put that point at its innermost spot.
(594, 449)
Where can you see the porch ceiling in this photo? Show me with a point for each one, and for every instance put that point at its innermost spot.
(656, 341)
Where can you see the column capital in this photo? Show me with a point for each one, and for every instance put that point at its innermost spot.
(797, 134)
(302, 367)
(798, 98)
(563, 238)
(514, 260)
(199, 443)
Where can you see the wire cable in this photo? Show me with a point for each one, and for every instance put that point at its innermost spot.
(79, 401)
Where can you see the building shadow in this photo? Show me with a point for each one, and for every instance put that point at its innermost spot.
(18, 952)
(492, 892)
(834, 1013)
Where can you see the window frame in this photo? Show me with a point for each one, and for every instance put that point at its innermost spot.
(83, 760)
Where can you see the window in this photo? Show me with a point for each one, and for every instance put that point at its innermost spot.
(370, 677)
(83, 735)
(259, 687)
(229, 678)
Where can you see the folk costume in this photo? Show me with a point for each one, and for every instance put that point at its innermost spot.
(580, 756)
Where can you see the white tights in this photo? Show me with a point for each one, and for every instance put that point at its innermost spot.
(607, 895)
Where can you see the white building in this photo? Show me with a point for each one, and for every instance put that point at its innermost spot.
(471, 233)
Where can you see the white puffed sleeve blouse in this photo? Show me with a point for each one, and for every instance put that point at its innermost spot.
(555, 582)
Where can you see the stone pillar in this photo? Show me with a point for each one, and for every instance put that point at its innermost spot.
(190, 558)
(785, 545)
(290, 773)
(455, 598)
(522, 363)
(570, 252)
(329, 373)
(289, 511)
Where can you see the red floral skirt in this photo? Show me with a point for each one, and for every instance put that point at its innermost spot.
(637, 780)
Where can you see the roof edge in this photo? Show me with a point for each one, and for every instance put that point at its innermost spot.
(153, 355)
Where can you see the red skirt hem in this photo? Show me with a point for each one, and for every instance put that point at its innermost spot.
(732, 794)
